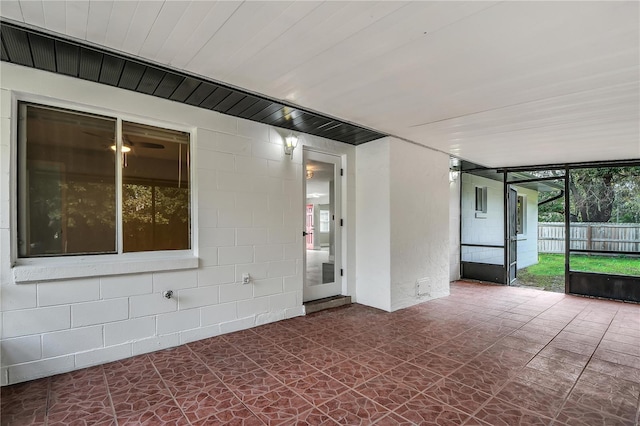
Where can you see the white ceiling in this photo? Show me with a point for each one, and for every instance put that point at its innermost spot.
(497, 83)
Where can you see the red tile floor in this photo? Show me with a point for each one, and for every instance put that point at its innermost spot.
(486, 355)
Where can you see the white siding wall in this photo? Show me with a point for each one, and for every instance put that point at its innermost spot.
(249, 210)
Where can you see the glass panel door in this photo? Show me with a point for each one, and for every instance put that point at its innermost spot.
(322, 226)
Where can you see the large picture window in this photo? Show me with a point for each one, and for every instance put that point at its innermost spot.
(83, 191)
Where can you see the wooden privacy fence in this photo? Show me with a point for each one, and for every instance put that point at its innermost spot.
(589, 236)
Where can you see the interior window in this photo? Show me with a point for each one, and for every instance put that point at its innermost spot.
(68, 185)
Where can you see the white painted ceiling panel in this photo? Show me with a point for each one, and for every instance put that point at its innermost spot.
(32, 12)
(368, 48)
(191, 18)
(98, 21)
(11, 9)
(498, 83)
(267, 36)
(250, 17)
(330, 24)
(201, 34)
(55, 16)
(119, 24)
(77, 16)
(143, 19)
(164, 24)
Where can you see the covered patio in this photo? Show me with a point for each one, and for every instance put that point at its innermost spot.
(485, 355)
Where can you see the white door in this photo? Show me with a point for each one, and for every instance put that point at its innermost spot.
(322, 277)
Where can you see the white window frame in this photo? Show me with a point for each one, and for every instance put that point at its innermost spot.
(480, 210)
(39, 269)
(327, 223)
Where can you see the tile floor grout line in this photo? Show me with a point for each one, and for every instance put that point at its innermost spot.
(224, 383)
(494, 395)
(106, 385)
(173, 398)
(585, 366)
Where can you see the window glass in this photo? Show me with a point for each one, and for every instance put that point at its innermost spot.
(155, 189)
(66, 183)
(68, 192)
(481, 199)
(522, 214)
(324, 220)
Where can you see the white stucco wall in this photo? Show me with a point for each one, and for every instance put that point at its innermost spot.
(373, 265)
(249, 212)
(403, 224)
(419, 224)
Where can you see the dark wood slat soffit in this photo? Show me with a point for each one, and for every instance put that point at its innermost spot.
(31, 48)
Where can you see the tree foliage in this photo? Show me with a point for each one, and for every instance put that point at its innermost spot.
(607, 194)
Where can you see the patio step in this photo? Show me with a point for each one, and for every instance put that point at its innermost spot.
(326, 303)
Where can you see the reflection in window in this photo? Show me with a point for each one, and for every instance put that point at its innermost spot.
(155, 185)
(67, 185)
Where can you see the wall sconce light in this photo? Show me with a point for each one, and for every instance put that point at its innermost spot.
(454, 169)
(309, 173)
(290, 143)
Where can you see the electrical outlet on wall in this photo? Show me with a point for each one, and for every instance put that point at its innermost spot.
(246, 278)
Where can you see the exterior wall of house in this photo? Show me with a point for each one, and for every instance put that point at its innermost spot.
(489, 229)
(249, 217)
(373, 198)
(403, 224)
(528, 240)
(481, 228)
(419, 224)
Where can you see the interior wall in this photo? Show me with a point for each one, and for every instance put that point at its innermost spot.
(249, 209)
(373, 239)
(419, 224)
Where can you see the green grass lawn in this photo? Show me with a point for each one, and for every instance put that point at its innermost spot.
(549, 272)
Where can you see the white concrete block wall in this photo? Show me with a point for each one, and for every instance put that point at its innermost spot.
(249, 215)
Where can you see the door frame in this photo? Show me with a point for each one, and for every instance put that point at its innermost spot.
(339, 210)
(511, 240)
